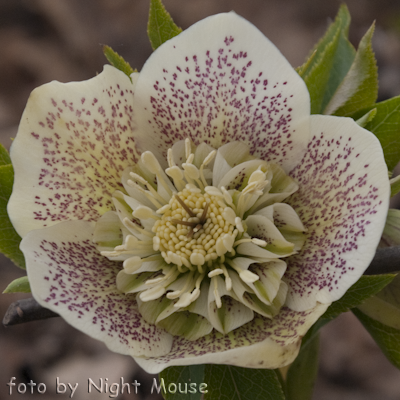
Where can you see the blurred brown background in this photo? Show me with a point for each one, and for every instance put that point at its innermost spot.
(42, 40)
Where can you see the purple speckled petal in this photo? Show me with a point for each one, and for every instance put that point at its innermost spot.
(73, 143)
(69, 276)
(342, 200)
(262, 343)
(219, 81)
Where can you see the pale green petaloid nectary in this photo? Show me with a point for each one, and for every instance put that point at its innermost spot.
(224, 86)
(203, 256)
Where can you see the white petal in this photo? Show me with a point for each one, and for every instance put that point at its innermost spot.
(262, 343)
(234, 85)
(262, 228)
(257, 253)
(228, 156)
(252, 301)
(188, 325)
(238, 176)
(342, 201)
(283, 216)
(287, 221)
(68, 276)
(231, 315)
(200, 306)
(73, 143)
(147, 223)
(151, 310)
(242, 262)
(128, 283)
(134, 193)
(107, 232)
(282, 186)
(178, 152)
(266, 288)
(202, 151)
(152, 266)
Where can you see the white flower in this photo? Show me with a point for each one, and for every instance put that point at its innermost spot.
(198, 213)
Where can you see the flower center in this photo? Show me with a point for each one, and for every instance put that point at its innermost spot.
(196, 229)
(202, 240)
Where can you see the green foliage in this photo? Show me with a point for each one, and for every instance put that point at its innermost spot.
(359, 88)
(20, 285)
(366, 118)
(329, 62)
(391, 231)
(192, 374)
(302, 373)
(340, 80)
(380, 315)
(224, 382)
(117, 61)
(160, 27)
(9, 238)
(386, 337)
(386, 127)
(4, 156)
(385, 306)
(395, 186)
(365, 287)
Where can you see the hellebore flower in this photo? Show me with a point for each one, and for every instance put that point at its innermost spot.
(196, 213)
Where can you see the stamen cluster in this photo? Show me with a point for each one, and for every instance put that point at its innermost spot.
(195, 230)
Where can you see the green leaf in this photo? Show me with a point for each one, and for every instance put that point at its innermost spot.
(387, 338)
(220, 382)
(9, 238)
(189, 382)
(331, 60)
(391, 231)
(4, 157)
(20, 285)
(385, 306)
(313, 331)
(380, 315)
(368, 117)
(342, 22)
(386, 127)
(301, 376)
(359, 88)
(117, 61)
(160, 27)
(227, 382)
(365, 287)
(394, 185)
(301, 70)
